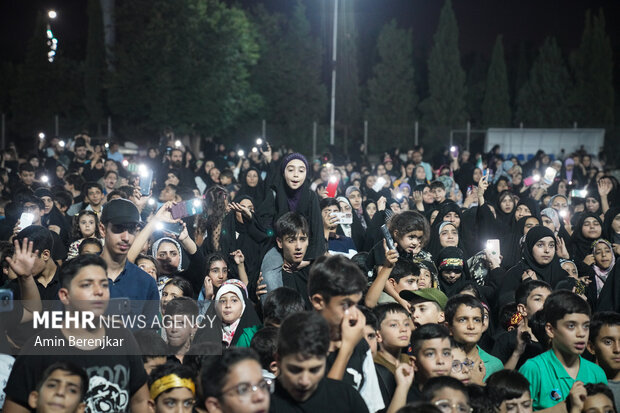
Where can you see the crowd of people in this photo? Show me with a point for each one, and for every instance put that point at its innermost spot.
(458, 283)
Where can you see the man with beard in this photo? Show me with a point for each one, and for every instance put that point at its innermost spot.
(119, 224)
(175, 162)
(80, 154)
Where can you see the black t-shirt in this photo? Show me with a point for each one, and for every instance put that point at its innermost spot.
(330, 396)
(298, 281)
(354, 373)
(115, 374)
(506, 343)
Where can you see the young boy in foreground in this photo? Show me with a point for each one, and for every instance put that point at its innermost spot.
(604, 343)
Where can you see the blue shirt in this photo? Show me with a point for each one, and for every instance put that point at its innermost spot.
(140, 288)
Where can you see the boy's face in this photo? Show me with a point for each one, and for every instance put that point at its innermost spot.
(88, 291)
(425, 280)
(466, 326)
(434, 359)
(461, 366)
(535, 302)
(606, 348)
(409, 283)
(426, 312)
(27, 177)
(153, 362)
(299, 376)
(598, 403)
(334, 310)
(439, 194)
(177, 400)
(60, 392)
(118, 237)
(570, 335)
(395, 330)
(293, 247)
(244, 372)
(95, 196)
(521, 404)
(370, 334)
(445, 398)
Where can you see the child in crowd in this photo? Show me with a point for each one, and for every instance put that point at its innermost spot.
(604, 343)
(561, 372)
(447, 394)
(425, 305)
(90, 246)
(265, 343)
(371, 329)
(85, 225)
(464, 317)
(600, 399)
(62, 387)
(509, 391)
(302, 385)
(464, 369)
(153, 349)
(172, 388)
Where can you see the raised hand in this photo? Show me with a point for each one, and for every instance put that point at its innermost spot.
(24, 259)
(238, 257)
(261, 287)
(244, 210)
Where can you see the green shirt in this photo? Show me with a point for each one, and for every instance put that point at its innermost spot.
(491, 363)
(549, 381)
(246, 336)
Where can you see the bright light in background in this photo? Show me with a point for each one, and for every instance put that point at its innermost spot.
(254, 150)
(61, 144)
(107, 145)
(52, 14)
(151, 201)
(177, 143)
(333, 179)
(240, 153)
(125, 163)
(41, 135)
(259, 141)
(142, 170)
(44, 179)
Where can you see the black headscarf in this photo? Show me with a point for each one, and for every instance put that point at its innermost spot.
(511, 243)
(434, 246)
(428, 208)
(581, 245)
(455, 253)
(257, 192)
(608, 233)
(502, 218)
(552, 272)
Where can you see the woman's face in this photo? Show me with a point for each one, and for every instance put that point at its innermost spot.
(245, 165)
(168, 257)
(452, 217)
(427, 195)
(295, 174)
(246, 203)
(507, 204)
(371, 209)
(370, 181)
(562, 188)
(324, 174)
(602, 255)
(502, 185)
(591, 228)
(172, 180)
(60, 172)
(522, 211)
(559, 203)
(355, 198)
(380, 169)
(529, 224)
(229, 307)
(477, 175)
(615, 224)
(251, 178)
(517, 179)
(434, 215)
(214, 173)
(548, 222)
(449, 236)
(344, 206)
(592, 204)
(544, 250)
(209, 165)
(409, 170)
(169, 293)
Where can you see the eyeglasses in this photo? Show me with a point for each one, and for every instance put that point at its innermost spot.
(120, 228)
(245, 390)
(446, 407)
(457, 365)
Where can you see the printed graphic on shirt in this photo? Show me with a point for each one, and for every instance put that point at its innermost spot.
(556, 395)
(105, 389)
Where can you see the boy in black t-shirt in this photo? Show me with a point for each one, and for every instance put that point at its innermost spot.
(335, 287)
(62, 388)
(302, 386)
(117, 380)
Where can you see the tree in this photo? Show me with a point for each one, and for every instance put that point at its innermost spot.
(287, 76)
(543, 101)
(593, 69)
(392, 94)
(496, 103)
(183, 64)
(445, 106)
(94, 68)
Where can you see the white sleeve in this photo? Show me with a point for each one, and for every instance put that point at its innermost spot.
(370, 391)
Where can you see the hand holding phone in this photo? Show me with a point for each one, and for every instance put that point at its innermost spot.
(343, 217)
(25, 220)
(186, 208)
(388, 237)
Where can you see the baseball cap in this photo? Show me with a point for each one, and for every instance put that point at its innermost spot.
(120, 211)
(425, 294)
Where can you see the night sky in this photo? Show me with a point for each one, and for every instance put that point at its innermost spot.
(528, 21)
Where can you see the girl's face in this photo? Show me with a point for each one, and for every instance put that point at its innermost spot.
(355, 198)
(502, 186)
(591, 228)
(409, 170)
(562, 189)
(148, 267)
(218, 272)
(169, 293)
(324, 174)
(603, 255)
(245, 164)
(420, 173)
(87, 225)
(517, 179)
(295, 174)
(477, 175)
(449, 236)
(370, 181)
(425, 280)
(592, 204)
(529, 224)
(452, 217)
(615, 224)
(544, 250)
(251, 178)
(380, 169)
(395, 207)
(522, 211)
(451, 276)
(571, 269)
(60, 172)
(371, 209)
(229, 307)
(548, 222)
(411, 242)
(507, 204)
(214, 173)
